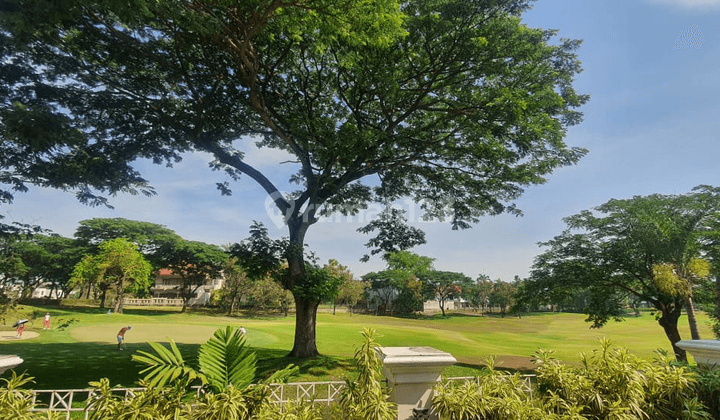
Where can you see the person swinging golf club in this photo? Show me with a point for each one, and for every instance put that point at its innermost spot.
(121, 336)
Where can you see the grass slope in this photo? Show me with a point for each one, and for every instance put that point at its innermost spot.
(85, 348)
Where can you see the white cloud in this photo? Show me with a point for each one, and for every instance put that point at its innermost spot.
(689, 4)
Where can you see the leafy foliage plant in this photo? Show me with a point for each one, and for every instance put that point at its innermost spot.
(610, 384)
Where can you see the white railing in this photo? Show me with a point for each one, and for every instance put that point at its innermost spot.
(68, 401)
(153, 302)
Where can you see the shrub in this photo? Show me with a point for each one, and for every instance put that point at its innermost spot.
(611, 384)
(367, 397)
(708, 389)
(15, 402)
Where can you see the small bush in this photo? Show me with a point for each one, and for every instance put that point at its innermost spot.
(15, 402)
(611, 384)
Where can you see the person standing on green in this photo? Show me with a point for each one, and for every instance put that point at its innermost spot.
(121, 336)
(46, 321)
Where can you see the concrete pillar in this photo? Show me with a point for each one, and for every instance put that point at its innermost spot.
(412, 372)
(705, 352)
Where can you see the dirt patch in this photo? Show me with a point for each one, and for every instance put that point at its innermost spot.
(12, 335)
(510, 362)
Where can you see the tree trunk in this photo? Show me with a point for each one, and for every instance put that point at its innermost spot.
(442, 307)
(305, 306)
(120, 296)
(305, 321)
(119, 303)
(669, 322)
(692, 320)
(232, 305)
(27, 289)
(717, 298)
(102, 298)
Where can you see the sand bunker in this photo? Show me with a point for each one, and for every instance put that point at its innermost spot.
(12, 335)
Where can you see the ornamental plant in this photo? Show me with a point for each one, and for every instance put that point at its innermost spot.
(610, 384)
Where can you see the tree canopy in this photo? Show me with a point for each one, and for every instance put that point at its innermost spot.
(149, 237)
(119, 265)
(31, 261)
(473, 108)
(443, 285)
(195, 262)
(614, 251)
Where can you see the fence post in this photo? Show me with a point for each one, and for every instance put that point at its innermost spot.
(412, 372)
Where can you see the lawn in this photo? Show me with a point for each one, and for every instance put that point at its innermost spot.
(84, 349)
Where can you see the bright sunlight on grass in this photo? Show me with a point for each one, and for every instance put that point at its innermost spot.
(85, 348)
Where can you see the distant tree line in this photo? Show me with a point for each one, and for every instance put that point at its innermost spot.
(109, 259)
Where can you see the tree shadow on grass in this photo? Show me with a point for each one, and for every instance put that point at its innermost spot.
(73, 365)
(323, 368)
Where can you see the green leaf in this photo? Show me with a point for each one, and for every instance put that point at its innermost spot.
(225, 360)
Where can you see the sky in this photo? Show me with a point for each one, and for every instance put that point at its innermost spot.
(651, 126)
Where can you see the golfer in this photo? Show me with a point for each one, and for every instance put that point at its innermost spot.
(121, 336)
(20, 329)
(46, 321)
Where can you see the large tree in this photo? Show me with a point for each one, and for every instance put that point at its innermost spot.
(149, 237)
(398, 288)
(460, 108)
(31, 261)
(194, 262)
(444, 285)
(478, 293)
(502, 296)
(118, 264)
(615, 250)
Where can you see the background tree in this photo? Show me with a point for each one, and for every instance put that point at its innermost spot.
(398, 288)
(710, 247)
(344, 275)
(619, 245)
(149, 237)
(266, 293)
(261, 259)
(478, 293)
(194, 262)
(350, 292)
(31, 261)
(235, 285)
(443, 286)
(502, 296)
(382, 291)
(474, 108)
(117, 264)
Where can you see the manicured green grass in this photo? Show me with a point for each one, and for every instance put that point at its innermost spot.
(85, 350)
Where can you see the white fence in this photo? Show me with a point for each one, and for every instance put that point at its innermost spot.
(70, 401)
(153, 302)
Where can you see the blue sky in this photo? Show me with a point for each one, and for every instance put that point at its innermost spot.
(651, 126)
